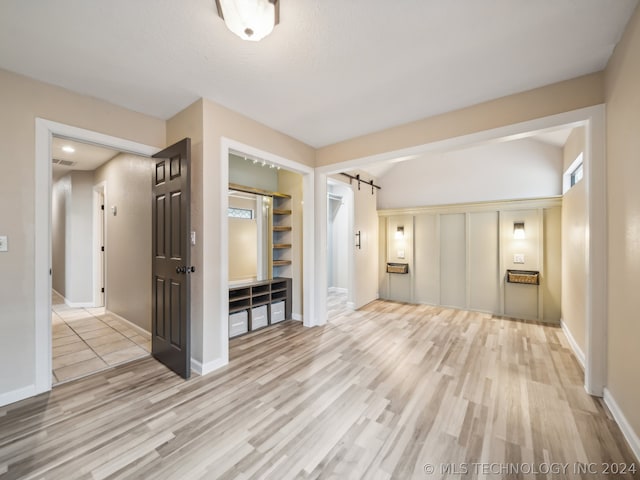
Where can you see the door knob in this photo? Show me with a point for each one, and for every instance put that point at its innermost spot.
(191, 269)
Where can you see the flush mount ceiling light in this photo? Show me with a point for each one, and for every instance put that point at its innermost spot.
(249, 19)
(68, 149)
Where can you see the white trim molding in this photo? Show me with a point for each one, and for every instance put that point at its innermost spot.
(203, 369)
(573, 344)
(627, 430)
(17, 395)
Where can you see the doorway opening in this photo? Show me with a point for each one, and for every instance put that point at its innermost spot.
(592, 119)
(44, 133)
(340, 217)
(100, 310)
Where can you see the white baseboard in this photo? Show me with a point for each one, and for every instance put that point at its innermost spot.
(351, 306)
(623, 423)
(78, 304)
(574, 345)
(203, 369)
(17, 395)
(133, 326)
(296, 316)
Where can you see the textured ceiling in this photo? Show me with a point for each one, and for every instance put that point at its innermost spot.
(331, 70)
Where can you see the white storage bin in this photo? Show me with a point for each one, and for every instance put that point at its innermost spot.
(277, 312)
(238, 323)
(259, 317)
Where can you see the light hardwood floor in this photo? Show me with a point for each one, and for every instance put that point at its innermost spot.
(379, 393)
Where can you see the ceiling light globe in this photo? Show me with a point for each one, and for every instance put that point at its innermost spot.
(249, 19)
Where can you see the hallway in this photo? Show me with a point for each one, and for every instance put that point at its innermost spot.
(88, 340)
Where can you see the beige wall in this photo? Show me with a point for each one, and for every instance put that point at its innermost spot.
(206, 123)
(128, 236)
(291, 184)
(243, 241)
(189, 123)
(23, 100)
(552, 264)
(574, 253)
(365, 285)
(559, 97)
(60, 191)
(622, 82)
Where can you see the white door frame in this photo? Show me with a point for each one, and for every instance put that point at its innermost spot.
(593, 118)
(45, 130)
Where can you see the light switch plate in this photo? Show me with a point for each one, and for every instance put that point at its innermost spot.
(4, 243)
(518, 258)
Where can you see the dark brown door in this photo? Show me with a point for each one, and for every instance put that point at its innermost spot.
(171, 323)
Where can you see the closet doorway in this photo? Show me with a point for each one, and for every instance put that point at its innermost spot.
(340, 248)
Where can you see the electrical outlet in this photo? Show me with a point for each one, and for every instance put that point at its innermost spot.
(4, 244)
(518, 258)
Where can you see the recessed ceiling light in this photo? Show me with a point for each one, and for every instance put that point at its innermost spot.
(68, 149)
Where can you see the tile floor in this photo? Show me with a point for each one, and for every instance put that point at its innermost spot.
(87, 340)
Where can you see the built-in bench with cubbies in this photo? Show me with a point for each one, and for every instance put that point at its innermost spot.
(257, 305)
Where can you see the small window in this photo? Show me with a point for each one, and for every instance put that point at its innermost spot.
(577, 173)
(573, 174)
(244, 213)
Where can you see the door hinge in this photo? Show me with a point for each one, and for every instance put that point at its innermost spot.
(102, 290)
(101, 207)
(102, 248)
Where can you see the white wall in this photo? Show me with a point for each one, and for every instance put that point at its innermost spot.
(72, 237)
(500, 171)
(458, 256)
(338, 237)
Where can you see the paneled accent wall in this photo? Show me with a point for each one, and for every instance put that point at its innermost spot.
(458, 256)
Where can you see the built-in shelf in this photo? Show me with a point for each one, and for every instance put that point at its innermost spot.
(281, 235)
(281, 211)
(281, 263)
(281, 228)
(250, 302)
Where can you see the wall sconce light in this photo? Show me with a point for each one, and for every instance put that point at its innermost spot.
(400, 233)
(518, 230)
(249, 19)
